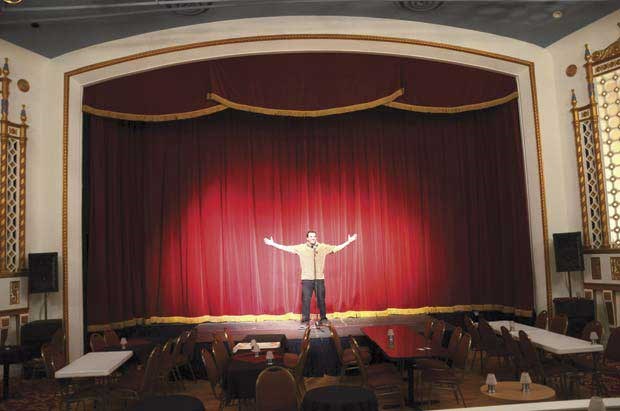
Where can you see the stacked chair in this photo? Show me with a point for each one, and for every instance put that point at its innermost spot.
(561, 375)
(167, 369)
(292, 359)
(541, 320)
(212, 373)
(592, 326)
(222, 358)
(491, 345)
(141, 384)
(97, 342)
(450, 377)
(476, 344)
(225, 336)
(184, 358)
(384, 379)
(346, 356)
(443, 357)
(299, 371)
(428, 329)
(559, 324)
(514, 351)
(276, 390)
(439, 329)
(111, 338)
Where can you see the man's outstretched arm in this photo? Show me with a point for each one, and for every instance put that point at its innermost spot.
(346, 243)
(289, 248)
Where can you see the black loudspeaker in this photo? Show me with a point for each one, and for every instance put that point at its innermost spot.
(568, 252)
(43, 268)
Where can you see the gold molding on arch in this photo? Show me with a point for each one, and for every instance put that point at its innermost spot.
(280, 37)
(608, 53)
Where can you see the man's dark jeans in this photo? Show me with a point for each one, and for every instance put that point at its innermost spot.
(307, 287)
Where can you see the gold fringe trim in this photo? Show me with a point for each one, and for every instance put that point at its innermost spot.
(225, 103)
(153, 117)
(295, 316)
(455, 109)
(306, 113)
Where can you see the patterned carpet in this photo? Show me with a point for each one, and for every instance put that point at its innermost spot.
(30, 395)
(611, 384)
(38, 394)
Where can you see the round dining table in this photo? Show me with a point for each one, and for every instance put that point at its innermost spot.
(510, 391)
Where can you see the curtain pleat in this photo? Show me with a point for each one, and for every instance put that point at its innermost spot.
(178, 212)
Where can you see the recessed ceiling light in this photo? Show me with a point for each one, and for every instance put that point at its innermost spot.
(557, 14)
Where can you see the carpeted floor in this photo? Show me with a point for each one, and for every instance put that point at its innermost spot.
(38, 394)
(30, 395)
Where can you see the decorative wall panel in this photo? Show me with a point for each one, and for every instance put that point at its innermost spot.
(595, 263)
(12, 183)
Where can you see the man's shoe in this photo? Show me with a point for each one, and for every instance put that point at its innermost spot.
(303, 324)
(324, 322)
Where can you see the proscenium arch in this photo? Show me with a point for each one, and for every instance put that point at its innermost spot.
(75, 80)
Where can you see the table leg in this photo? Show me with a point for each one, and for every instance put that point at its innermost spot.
(596, 376)
(411, 402)
(410, 386)
(5, 381)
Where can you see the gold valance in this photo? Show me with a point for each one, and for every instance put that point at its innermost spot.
(388, 101)
(455, 109)
(306, 113)
(153, 117)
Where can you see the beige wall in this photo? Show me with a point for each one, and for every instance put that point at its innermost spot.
(43, 164)
(45, 160)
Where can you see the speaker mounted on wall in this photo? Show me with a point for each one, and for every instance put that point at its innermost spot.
(43, 269)
(568, 252)
(568, 255)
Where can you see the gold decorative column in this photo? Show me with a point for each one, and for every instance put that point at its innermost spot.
(597, 148)
(587, 243)
(13, 137)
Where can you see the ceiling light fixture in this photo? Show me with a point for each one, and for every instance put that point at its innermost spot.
(13, 1)
(420, 6)
(557, 14)
(189, 8)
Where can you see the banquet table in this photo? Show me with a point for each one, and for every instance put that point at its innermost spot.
(554, 343)
(94, 364)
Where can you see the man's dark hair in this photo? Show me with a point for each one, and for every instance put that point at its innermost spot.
(310, 231)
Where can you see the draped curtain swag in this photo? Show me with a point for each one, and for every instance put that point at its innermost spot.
(302, 85)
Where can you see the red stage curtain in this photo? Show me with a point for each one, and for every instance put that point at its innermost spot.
(178, 212)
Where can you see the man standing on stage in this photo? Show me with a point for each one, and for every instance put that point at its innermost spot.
(312, 259)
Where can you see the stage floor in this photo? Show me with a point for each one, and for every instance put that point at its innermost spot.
(293, 329)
